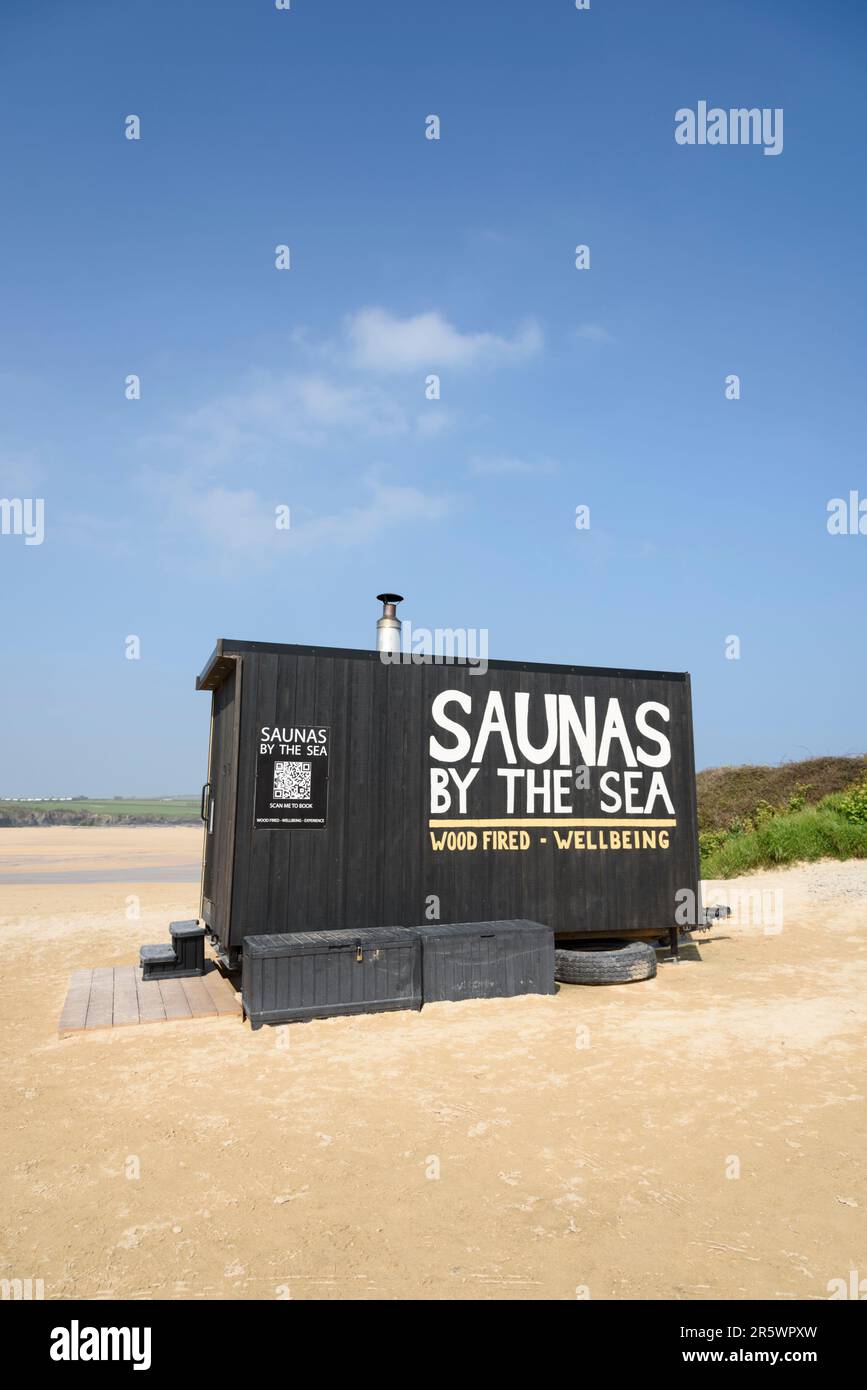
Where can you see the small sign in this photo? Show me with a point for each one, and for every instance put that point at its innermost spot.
(291, 778)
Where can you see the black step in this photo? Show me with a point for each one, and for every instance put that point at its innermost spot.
(188, 939)
(183, 958)
(158, 962)
(190, 928)
(158, 955)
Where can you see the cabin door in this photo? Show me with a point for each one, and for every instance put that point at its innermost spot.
(219, 796)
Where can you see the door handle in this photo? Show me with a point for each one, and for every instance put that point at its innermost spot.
(206, 796)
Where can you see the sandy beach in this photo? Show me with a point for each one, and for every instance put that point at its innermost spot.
(700, 1135)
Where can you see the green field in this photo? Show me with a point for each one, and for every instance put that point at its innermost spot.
(172, 811)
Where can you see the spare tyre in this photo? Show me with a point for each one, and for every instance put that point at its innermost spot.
(609, 963)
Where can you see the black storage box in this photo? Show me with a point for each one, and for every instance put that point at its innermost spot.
(486, 960)
(316, 974)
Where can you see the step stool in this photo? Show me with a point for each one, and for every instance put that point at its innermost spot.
(184, 957)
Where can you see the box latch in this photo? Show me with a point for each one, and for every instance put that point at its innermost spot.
(359, 952)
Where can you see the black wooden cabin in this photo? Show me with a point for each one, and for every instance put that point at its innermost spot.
(334, 795)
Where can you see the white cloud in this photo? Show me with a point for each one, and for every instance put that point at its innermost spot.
(115, 535)
(434, 420)
(507, 464)
(275, 411)
(213, 470)
(390, 506)
(240, 521)
(233, 519)
(381, 341)
(593, 333)
(21, 475)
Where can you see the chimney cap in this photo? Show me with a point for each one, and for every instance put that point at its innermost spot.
(389, 598)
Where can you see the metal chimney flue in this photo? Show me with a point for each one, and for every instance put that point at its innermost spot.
(388, 626)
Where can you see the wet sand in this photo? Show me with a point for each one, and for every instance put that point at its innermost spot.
(152, 873)
(546, 1147)
(73, 849)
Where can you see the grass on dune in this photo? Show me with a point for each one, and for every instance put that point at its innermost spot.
(757, 817)
(812, 833)
(728, 796)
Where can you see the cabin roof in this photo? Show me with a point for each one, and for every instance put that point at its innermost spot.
(222, 661)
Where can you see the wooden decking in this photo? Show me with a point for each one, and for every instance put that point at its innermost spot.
(116, 996)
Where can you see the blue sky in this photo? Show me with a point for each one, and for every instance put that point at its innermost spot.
(409, 256)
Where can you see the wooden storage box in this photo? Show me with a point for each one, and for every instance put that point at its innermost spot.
(486, 960)
(298, 975)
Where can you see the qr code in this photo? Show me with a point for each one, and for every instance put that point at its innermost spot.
(292, 781)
